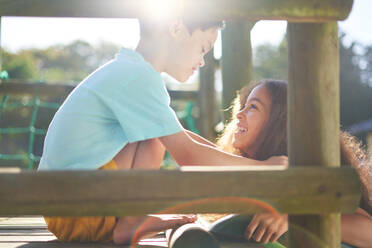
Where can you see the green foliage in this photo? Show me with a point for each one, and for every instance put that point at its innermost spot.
(271, 61)
(355, 93)
(22, 65)
(59, 63)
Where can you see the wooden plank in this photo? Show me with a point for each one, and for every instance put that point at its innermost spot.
(62, 245)
(117, 193)
(24, 222)
(236, 62)
(207, 97)
(1, 52)
(17, 87)
(291, 10)
(20, 231)
(314, 118)
(23, 232)
(97, 245)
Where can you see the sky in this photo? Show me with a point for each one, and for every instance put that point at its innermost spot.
(20, 32)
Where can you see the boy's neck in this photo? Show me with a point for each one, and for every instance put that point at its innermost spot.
(153, 53)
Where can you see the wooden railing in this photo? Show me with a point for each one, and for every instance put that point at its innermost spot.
(308, 190)
(312, 134)
(20, 87)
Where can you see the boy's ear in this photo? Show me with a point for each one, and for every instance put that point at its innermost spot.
(177, 28)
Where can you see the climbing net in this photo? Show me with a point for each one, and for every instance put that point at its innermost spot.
(31, 130)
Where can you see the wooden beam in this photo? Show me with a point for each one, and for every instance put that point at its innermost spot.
(18, 87)
(117, 193)
(313, 107)
(1, 52)
(207, 98)
(291, 10)
(236, 61)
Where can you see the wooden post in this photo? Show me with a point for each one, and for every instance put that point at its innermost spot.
(313, 122)
(237, 65)
(0, 49)
(207, 98)
(369, 144)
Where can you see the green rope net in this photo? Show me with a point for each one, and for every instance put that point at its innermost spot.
(35, 104)
(32, 130)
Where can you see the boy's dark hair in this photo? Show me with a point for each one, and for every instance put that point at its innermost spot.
(148, 26)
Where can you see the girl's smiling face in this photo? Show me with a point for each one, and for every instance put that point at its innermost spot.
(252, 120)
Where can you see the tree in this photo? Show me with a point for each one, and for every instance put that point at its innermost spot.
(271, 61)
(355, 94)
(22, 65)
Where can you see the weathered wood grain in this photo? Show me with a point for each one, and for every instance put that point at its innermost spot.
(207, 97)
(314, 119)
(42, 238)
(291, 10)
(236, 61)
(117, 193)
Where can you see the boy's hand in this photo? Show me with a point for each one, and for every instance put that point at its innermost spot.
(277, 160)
(158, 223)
(267, 227)
(133, 228)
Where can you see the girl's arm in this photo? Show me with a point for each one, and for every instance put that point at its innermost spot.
(356, 229)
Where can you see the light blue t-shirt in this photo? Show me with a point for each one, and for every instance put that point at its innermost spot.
(122, 102)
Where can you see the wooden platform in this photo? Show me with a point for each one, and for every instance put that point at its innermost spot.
(31, 232)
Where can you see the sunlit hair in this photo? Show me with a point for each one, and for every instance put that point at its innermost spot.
(273, 138)
(353, 154)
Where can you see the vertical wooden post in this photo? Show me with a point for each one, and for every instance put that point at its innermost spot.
(0, 48)
(237, 65)
(369, 144)
(313, 122)
(207, 97)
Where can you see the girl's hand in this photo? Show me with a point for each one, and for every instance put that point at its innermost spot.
(277, 160)
(267, 227)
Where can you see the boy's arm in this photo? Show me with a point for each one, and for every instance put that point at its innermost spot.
(200, 139)
(187, 151)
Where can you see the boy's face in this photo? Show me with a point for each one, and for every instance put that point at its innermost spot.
(186, 51)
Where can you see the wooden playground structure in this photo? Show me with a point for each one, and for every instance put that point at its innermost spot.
(313, 190)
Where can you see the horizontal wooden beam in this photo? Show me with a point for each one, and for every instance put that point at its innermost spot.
(72, 193)
(17, 87)
(291, 10)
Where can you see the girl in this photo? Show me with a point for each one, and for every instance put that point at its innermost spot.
(258, 130)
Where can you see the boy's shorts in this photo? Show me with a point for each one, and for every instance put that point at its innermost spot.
(84, 229)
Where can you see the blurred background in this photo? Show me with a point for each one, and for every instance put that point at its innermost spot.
(63, 51)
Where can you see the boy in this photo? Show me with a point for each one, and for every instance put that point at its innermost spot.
(119, 118)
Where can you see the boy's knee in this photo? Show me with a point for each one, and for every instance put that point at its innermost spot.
(154, 145)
